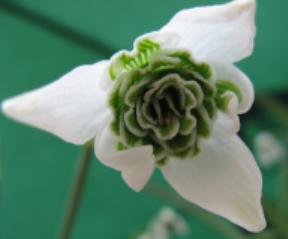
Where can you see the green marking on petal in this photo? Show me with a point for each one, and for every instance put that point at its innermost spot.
(187, 123)
(207, 87)
(226, 85)
(128, 138)
(190, 100)
(211, 107)
(131, 122)
(188, 63)
(121, 146)
(203, 121)
(147, 113)
(118, 107)
(172, 103)
(183, 142)
(195, 88)
(168, 130)
(223, 101)
(135, 91)
(127, 62)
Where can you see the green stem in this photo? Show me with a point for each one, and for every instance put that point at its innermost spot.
(282, 187)
(276, 218)
(213, 221)
(274, 106)
(75, 196)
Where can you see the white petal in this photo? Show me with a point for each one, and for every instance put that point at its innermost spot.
(223, 32)
(136, 164)
(223, 179)
(71, 107)
(225, 124)
(227, 71)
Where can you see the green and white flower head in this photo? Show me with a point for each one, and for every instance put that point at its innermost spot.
(172, 103)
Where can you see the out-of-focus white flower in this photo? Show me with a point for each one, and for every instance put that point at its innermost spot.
(165, 225)
(269, 149)
(173, 102)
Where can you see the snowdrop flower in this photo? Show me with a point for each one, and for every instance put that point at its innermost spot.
(172, 103)
(269, 149)
(165, 225)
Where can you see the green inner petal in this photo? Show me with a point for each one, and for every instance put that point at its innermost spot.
(211, 107)
(187, 123)
(224, 100)
(168, 130)
(190, 100)
(118, 107)
(147, 113)
(195, 88)
(203, 121)
(141, 119)
(223, 86)
(132, 123)
(126, 61)
(187, 63)
(172, 103)
(183, 142)
(127, 138)
(135, 92)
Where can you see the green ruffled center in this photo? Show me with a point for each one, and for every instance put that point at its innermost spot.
(165, 99)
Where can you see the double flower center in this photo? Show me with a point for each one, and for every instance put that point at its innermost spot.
(164, 99)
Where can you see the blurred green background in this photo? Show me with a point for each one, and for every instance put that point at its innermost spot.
(41, 40)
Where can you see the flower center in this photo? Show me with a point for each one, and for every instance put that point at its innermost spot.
(165, 99)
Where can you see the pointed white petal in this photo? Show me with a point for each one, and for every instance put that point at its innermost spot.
(223, 32)
(136, 164)
(71, 107)
(227, 71)
(223, 179)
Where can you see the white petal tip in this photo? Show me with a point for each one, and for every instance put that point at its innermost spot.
(5, 106)
(253, 220)
(258, 226)
(19, 107)
(9, 107)
(134, 186)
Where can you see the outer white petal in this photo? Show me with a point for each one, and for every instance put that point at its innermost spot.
(217, 32)
(71, 107)
(223, 179)
(136, 164)
(227, 71)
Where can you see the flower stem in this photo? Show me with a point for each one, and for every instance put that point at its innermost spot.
(276, 218)
(273, 106)
(75, 195)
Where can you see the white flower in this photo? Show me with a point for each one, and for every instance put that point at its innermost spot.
(165, 224)
(269, 149)
(187, 122)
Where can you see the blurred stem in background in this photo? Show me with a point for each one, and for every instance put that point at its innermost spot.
(271, 105)
(76, 191)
